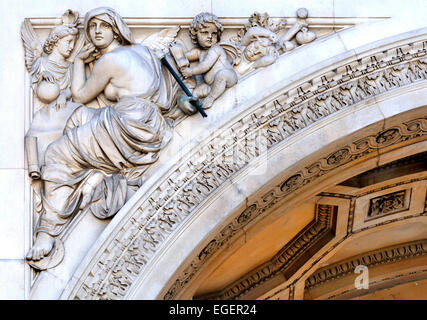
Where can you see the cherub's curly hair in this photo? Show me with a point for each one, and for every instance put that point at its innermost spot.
(200, 20)
(55, 35)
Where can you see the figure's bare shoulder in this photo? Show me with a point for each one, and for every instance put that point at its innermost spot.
(106, 62)
(218, 49)
(116, 60)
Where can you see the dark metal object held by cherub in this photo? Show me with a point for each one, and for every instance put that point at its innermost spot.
(183, 86)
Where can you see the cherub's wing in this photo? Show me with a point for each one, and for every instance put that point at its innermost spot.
(32, 45)
(161, 40)
(234, 51)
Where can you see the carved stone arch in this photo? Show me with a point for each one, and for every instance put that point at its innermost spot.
(254, 153)
(270, 202)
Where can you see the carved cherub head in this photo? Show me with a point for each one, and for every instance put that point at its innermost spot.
(62, 39)
(259, 42)
(205, 29)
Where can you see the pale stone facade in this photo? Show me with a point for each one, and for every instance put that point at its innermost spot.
(312, 163)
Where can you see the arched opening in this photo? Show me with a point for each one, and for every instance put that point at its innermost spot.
(184, 230)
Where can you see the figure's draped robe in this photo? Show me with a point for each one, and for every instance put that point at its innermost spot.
(119, 141)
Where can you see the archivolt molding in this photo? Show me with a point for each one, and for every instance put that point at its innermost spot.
(351, 232)
(290, 255)
(182, 191)
(307, 175)
(370, 259)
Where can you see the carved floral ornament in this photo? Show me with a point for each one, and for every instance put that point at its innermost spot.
(84, 109)
(284, 115)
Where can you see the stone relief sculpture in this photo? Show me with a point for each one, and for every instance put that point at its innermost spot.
(213, 62)
(49, 68)
(299, 30)
(109, 106)
(262, 44)
(258, 44)
(103, 151)
(260, 49)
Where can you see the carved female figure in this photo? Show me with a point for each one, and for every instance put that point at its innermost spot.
(104, 151)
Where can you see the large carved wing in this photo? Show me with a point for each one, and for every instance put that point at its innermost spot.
(232, 50)
(32, 45)
(162, 40)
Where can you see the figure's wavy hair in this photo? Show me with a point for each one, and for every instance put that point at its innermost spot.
(200, 21)
(57, 34)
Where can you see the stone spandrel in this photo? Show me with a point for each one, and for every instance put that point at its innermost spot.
(98, 153)
(83, 154)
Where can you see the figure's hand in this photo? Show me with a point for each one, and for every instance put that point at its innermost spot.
(61, 101)
(85, 53)
(184, 103)
(46, 75)
(186, 72)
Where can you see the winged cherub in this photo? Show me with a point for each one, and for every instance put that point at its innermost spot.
(48, 63)
(205, 30)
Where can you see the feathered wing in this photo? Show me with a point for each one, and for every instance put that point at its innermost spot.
(32, 46)
(232, 50)
(162, 40)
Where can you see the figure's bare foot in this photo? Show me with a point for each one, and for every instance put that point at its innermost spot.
(42, 247)
(207, 102)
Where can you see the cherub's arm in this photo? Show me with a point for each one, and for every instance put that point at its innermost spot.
(205, 65)
(193, 54)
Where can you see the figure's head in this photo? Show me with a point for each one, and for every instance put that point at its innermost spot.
(206, 30)
(62, 39)
(104, 25)
(258, 42)
(258, 49)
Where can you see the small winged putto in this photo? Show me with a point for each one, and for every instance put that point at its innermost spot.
(214, 59)
(49, 63)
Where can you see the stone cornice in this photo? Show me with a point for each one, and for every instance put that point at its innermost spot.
(229, 22)
(180, 193)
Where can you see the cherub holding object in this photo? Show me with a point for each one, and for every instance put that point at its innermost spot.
(49, 64)
(205, 30)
